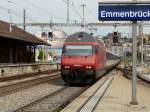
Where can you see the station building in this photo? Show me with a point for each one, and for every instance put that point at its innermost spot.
(16, 45)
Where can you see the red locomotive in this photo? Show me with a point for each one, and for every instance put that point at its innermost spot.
(83, 58)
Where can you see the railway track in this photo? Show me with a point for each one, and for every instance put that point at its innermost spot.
(54, 101)
(11, 86)
(59, 99)
(87, 102)
(32, 103)
(50, 96)
(21, 76)
(127, 72)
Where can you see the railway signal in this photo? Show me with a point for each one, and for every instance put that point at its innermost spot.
(115, 37)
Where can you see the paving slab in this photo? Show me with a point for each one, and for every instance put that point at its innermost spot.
(118, 97)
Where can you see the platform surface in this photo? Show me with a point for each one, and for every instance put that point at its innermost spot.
(118, 96)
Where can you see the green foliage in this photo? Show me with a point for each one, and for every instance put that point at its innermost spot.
(41, 55)
(51, 54)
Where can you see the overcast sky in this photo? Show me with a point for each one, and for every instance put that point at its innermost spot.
(44, 10)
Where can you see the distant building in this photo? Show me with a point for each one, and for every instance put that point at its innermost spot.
(56, 38)
(113, 38)
(146, 38)
(146, 52)
(16, 45)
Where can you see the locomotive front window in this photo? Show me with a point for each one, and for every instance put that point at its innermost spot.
(81, 50)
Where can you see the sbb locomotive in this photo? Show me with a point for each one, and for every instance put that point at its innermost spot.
(83, 58)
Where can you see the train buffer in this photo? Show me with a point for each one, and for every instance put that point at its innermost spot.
(112, 95)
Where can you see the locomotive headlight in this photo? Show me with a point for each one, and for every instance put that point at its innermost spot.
(88, 67)
(67, 67)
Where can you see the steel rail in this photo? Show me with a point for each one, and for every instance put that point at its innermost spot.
(18, 86)
(20, 109)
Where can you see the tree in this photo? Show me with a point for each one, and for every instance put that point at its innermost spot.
(41, 55)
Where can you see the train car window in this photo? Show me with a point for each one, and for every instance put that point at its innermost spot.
(81, 50)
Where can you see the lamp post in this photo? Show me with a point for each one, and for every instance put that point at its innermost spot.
(134, 59)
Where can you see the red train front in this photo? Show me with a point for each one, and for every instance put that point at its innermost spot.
(83, 58)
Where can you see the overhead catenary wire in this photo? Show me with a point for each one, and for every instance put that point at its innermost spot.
(14, 12)
(90, 11)
(43, 10)
(38, 9)
(34, 8)
(23, 7)
(74, 9)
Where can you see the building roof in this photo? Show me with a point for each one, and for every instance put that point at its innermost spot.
(19, 34)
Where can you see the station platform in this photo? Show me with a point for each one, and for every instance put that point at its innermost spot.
(117, 97)
(21, 69)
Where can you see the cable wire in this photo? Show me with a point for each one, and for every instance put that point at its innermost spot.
(43, 10)
(74, 9)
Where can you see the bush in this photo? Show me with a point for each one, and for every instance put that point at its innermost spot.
(41, 54)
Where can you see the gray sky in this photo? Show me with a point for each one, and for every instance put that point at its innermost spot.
(44, 10)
